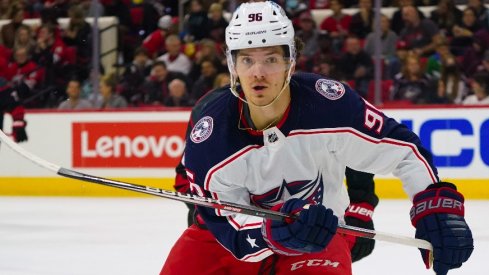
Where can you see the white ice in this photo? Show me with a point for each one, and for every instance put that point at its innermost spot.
(88, 236)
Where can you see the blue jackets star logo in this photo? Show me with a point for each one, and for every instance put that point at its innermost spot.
(309, 190)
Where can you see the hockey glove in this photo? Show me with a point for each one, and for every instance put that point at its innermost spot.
(311, 232)
(18, 126)
(359, 247)
(361, 190)
(438, 215)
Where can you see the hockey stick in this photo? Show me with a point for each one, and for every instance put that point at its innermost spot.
(205, 201)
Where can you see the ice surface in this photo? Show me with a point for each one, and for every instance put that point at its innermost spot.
(41, 235)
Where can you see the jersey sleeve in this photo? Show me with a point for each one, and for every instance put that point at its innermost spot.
(384, 146)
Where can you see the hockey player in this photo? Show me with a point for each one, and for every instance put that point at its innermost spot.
(10, 102)
(282, 141)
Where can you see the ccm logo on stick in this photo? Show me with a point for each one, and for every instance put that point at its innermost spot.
(120, 144)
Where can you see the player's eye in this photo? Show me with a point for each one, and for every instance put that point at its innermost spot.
(271, 60)
(246, 60)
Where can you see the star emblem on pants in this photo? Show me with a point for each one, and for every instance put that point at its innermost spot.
(251, 241)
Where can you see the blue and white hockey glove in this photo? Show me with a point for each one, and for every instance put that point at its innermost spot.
(438, 215)
(311, 232)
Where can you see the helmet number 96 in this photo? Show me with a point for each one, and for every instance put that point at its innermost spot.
(254, 17)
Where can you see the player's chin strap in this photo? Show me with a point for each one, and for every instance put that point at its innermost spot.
(234, 82)
(205, 201)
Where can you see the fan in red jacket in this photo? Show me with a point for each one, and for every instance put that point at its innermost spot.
(24, 69)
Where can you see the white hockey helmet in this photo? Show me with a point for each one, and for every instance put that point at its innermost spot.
(259, 24)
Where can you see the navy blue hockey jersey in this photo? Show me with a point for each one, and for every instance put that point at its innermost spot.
(326, 128)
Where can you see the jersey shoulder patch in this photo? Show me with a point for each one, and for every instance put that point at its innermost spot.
(330, 89)
(202, 130)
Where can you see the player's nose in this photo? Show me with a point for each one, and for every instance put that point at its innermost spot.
(258, 70)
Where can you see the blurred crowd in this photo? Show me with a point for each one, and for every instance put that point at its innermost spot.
(440, 57)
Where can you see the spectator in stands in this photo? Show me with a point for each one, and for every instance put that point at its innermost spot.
(325, 52)
(481, 12)
(195, 22)
(50, 52)
(155, 88)
(16, 15)
(388, 39)
(394, 65)
(337, 25)
(109, 99)
(205, 82)
(217, 23)
(463, 32)
(356, 65)
(413, 84)
(24, 70)
(397, 22)
(435, 61)
(480, 88)
(472, 58)
(206, 50)
(134, 76)
(24, 39)
(309, 35)
(154, 43)
(362, 21)
(78, 35)
(325, 66)
(446, 16)
(452, 87)
(177, 94)
(175, 59)
(74, 100)
(222, 79)
(418, 33)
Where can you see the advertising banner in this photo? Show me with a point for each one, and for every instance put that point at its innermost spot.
(143, 147)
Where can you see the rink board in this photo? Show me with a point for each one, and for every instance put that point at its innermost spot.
(385, 188)
(143, 147)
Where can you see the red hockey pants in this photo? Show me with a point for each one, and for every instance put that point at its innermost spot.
(198, 252)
